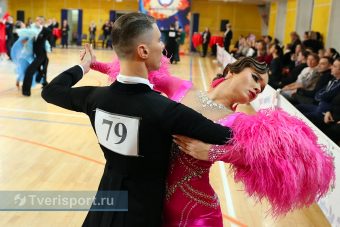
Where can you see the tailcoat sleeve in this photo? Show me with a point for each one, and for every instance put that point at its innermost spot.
(60, 92)
(182, 120)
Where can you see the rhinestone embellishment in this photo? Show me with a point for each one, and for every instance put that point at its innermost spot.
(208, 103)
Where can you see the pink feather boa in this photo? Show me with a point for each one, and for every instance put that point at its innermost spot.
(277, 157)
(175, 88)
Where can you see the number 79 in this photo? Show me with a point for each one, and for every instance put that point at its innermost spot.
(119, 129)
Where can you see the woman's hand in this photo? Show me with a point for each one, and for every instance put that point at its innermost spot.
(93, 56)
(195, 148)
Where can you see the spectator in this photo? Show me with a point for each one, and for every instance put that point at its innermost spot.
(331, 121)
(331, 52)
(296, 69)
(275, 67)
(324, 97)
(106, 33)
(261, 52)
(92, 34)
(206, 39)
(294, 41)
(307, 78)
(227, 37)
(55, 26)
(304, 96)
(64, 34)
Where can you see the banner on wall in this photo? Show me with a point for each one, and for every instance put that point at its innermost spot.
(167, 12)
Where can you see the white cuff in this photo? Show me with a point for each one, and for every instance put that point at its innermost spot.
(82, 69)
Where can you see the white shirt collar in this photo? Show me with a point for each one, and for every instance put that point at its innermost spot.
(133, 80)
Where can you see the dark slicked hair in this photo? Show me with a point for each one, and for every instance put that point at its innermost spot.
(242, 63)
(126, 31)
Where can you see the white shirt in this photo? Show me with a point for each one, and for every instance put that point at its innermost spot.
(129, 79)
(133, 80)
(39, 29)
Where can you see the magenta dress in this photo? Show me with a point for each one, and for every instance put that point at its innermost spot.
(261, 159)
(190, 200)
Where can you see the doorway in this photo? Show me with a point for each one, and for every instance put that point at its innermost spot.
(74, 19)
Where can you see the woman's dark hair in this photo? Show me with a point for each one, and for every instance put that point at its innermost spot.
(334, 53)
(242, 63)
(127, 29)
(329, 59)
(305, 53)
(315, 56)
(333, 50)
(278, 49)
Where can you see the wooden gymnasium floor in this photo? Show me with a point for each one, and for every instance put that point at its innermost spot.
(44, 147)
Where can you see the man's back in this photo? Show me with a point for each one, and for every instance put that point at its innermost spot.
(134, 125)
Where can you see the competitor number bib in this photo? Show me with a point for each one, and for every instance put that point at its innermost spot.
(117, 133)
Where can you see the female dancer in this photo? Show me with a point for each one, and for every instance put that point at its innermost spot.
(22, 53)
(267, 162)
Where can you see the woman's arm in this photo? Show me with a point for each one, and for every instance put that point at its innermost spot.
(103, 67)
(175, 88)
(274, 152)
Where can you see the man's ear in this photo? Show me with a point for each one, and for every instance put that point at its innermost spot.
(143, 51)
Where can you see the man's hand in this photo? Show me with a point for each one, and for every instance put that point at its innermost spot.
(328, 118)
(86, 59)
(294, 91)
(195, 148)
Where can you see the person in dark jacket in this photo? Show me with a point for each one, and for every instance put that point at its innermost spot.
(206, 40)
(303, 96)
(40, 60)
(227, 37)
(64, 34)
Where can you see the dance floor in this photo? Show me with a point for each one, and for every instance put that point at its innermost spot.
(47, 148)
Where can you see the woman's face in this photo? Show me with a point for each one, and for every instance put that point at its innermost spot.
(311, 61)
(272, 49)
(298, 48)
(246, 85)
(300, 57)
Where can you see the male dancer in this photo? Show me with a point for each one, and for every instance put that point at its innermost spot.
(137, 148)
(40, 60)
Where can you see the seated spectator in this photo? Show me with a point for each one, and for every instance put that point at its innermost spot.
(324, 97)
(321, 53)
(331, 121)
(311, 41)
(237, 45)
(275, 67)
(294, 71)
(307, 78)
(267, 40)
(261, 52)
(294, 41)
(331, 52)
(294, 56)
(303, 96)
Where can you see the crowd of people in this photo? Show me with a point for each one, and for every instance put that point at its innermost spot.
(305, 73)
